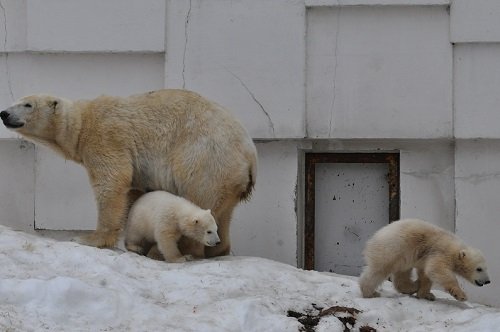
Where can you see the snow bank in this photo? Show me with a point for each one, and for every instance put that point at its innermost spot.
(63, 286)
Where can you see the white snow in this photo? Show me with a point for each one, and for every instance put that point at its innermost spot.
(49, 285)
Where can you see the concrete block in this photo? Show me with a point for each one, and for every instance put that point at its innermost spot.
(17, 180)
(379, 72)
(78, 76)
(477, 190)
(245, 55)
(13, 71)
(477, 92)
(12, 25)
(340, 3)
(269, 209)
(427, 182)
(475, 21)
(96, 26)
(63, 197)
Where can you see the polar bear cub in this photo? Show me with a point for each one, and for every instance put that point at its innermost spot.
(436, 254)
(162, 218)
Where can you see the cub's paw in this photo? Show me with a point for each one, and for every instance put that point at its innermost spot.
(135, 248)
(458, 294)
(155, 254)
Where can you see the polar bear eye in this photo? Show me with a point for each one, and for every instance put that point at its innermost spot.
(479, 269)
(209, 232)
(28, 105)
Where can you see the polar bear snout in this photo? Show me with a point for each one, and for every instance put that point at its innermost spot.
(212, 244)
(211, 238)
(10, 121)
(481, 283)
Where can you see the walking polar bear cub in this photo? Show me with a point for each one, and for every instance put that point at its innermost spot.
(436, 254)
(171, 140)
(162, 218)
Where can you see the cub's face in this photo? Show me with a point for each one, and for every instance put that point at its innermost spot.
(32, 116)
(473, 265)
(206, 228)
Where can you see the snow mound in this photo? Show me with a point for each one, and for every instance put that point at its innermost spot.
(63, 286)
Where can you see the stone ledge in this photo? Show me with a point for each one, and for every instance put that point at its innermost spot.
(340, 3)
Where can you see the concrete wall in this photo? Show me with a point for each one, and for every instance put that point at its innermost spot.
(418, 76)
(475, 30)
(378, 72)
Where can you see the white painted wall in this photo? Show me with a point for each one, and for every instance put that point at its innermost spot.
(247, 55)
(475, 21)
(266, 226)
(96, 26)
(378, 72)
(477, 191)
(302, 75)
(475, 28)
(17, 180)
(477, 90)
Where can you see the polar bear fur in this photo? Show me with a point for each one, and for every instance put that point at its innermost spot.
(436, 254)
(171, 140)
(162, 218)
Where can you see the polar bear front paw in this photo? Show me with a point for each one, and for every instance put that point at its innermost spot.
(183, 259)
(98, 239)
(427, 296)
(371, 295)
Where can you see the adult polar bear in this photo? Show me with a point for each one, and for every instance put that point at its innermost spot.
(172, 140)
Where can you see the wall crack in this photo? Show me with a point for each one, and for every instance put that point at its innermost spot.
(7, 67)
(478, 178)
(186, 25)
(271, 124)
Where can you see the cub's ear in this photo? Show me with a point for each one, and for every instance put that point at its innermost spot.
(461, 254)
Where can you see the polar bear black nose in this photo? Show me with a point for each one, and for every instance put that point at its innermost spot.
(4, 115)
(486, 282)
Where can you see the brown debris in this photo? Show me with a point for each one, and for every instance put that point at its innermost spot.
(346, 315)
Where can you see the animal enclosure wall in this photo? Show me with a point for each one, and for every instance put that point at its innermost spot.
(415, 76)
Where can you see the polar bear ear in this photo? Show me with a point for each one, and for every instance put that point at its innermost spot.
(461, 254)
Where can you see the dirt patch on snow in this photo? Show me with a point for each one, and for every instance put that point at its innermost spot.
(346, 315)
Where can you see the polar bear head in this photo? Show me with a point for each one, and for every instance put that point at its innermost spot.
(203, 228)
(34, 116)
(472, 266)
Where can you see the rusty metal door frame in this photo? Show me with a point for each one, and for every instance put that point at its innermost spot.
(311, 159)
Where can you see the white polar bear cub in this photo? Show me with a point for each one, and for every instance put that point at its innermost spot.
(436, 254)
(162, 218)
